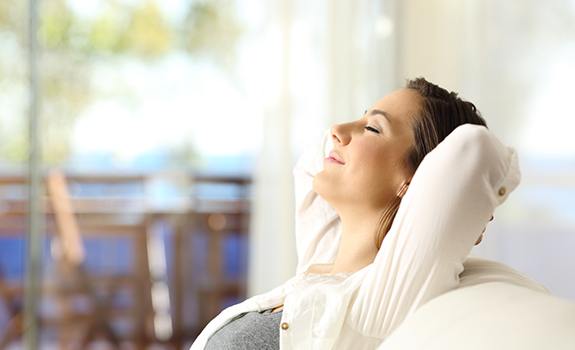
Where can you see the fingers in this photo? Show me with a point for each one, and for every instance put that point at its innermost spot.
(482, 232)
(479, 239)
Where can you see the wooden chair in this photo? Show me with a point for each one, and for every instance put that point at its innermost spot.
(66, 218)
(69, 255)
(12, 225)
(102, 217)
(11, 296)
(72, 219)
(219, 218)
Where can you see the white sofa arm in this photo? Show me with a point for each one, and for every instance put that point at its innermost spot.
(493, 315)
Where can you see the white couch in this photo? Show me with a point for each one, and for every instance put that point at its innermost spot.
(496, 307)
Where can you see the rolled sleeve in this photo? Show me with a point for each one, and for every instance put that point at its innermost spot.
(316, 222)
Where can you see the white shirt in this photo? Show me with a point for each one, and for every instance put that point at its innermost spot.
(450, 200)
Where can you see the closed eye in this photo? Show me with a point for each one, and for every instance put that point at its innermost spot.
(372, 129)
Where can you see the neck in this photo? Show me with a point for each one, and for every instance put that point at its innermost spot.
(357, 245)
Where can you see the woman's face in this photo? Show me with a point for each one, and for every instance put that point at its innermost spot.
(373, 149)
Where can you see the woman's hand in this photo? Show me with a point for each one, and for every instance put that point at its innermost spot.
(481, 237)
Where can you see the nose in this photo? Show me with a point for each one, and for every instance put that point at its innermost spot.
(340, 133)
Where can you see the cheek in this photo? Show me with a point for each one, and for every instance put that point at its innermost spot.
(372, 173)
(368, 163)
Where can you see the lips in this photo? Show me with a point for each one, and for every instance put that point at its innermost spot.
(336, 157)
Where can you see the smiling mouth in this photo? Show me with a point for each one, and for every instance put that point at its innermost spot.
(331, 159)
(335, 157)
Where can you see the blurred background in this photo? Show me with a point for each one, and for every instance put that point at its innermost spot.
(169, 129)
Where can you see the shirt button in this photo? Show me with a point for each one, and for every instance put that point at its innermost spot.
(285, 326)
(502, 191)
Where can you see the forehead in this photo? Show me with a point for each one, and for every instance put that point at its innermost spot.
(401, 106)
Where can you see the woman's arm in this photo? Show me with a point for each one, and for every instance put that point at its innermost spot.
(450, 199)
(316, 222)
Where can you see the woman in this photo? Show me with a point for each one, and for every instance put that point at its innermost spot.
(390, 258)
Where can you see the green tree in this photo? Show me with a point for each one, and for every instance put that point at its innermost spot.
(212, 30)
(148, 33)
(69, 47)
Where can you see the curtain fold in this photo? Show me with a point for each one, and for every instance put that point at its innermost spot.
(326, 62)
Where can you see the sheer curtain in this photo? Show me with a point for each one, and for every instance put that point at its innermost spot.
(514, 60)
(332, 59)
(325, 62)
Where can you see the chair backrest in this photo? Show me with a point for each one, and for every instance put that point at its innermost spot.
(68, 242)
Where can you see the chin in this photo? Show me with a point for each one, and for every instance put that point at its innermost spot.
(322, 189)
(317, 184)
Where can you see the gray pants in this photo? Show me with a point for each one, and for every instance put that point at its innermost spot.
(249, 331)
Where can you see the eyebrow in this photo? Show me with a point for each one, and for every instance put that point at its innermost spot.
(379, 112)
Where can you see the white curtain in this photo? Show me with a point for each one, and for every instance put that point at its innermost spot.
(514, 60)
(330, 61)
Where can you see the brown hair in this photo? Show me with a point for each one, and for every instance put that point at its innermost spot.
(439, 114)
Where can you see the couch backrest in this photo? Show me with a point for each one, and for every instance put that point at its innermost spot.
(478, 270)
(488, 315)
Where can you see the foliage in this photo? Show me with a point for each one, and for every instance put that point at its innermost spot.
(70, 45)
(212, 30)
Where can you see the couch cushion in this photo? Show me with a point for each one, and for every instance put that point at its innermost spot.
(478, 270)
(491, 315)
